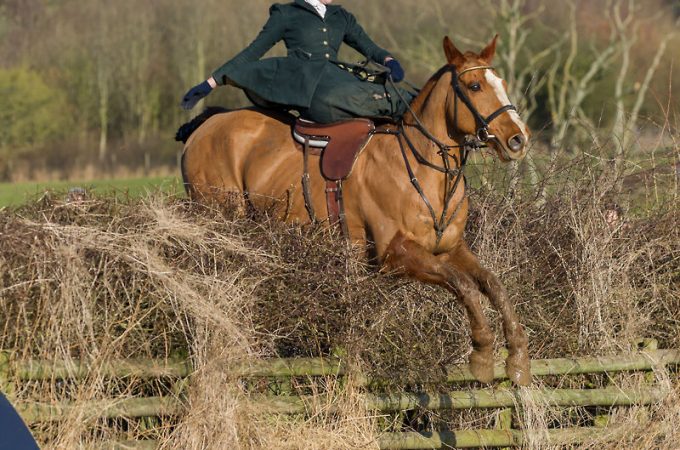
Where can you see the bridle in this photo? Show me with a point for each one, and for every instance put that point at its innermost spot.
(482, 134)
(453, 175)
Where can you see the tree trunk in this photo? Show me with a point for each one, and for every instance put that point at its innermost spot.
(103, 88)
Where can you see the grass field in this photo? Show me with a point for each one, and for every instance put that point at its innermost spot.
(14, 194)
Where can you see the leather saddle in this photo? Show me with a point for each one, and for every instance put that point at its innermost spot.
(339, 144)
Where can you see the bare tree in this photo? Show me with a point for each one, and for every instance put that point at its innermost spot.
(103, 83)
(627, 25)
(522, 66)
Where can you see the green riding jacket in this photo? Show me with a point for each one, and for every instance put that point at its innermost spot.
(312, 43)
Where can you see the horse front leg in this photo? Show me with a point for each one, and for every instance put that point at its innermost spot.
(517, 365)
(411, 259)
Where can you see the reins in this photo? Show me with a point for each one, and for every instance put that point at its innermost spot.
(452, 176)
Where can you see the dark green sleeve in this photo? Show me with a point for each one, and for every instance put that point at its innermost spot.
(356, 37)
(271, 34)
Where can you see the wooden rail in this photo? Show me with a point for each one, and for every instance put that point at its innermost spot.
(489, 438)
(474, 399)
(127, 407)
(33, 370)
(279, 368)
(271, 404)
(646, 360)
(445, 439)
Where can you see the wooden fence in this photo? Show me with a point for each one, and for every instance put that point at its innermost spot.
(505, 397)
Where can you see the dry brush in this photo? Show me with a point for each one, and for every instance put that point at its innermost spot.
(102, 279)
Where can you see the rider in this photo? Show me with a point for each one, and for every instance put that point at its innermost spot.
(310, 79)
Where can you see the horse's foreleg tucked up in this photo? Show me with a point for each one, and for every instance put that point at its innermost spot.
(517, 365)
(411, 259)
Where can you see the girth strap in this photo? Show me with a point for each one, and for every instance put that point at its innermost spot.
(336, 206)
(334, 199)
(306, 193)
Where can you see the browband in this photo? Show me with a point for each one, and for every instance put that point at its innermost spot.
(474, 68)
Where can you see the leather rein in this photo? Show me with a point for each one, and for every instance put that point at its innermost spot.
(453, 172)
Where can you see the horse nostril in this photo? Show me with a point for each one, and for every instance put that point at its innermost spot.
(516, 143)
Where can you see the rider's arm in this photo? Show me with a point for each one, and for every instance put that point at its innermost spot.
(271, 34)
(356, 37)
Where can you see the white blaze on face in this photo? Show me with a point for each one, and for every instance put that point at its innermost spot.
(497, 84)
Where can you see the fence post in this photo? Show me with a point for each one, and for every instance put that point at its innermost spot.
(504, 417)
(642, 345)
(639, 344)
(645, 344)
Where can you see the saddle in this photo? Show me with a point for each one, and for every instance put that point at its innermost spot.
(339, 145)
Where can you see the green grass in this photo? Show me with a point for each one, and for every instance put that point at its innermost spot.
(15, 194)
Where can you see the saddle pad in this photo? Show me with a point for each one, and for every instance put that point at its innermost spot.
(316, 143)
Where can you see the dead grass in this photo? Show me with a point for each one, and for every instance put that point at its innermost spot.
(160, 277)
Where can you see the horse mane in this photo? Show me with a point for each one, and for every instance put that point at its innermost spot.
(425, 92)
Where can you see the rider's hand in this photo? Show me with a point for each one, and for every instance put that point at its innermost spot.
(195, 94)
(396, 71)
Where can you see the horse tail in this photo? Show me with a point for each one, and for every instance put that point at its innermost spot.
(188, 128)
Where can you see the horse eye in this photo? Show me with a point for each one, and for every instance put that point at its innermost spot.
(475, 87)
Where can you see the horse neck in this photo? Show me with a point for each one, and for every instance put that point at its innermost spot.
(430, 108)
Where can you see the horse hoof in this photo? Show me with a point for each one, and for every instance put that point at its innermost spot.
(518, 369)
(481, 366)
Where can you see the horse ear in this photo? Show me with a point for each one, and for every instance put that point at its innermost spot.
(490, 50)
(453, 55)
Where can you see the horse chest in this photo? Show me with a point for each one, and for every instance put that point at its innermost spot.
(436, 221)
(407, 214)
(388, 203)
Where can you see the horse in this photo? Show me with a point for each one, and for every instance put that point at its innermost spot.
(400, 197)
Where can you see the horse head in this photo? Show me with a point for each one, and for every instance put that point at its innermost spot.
(480, 105)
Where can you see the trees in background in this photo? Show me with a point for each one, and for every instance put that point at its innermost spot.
(31, 114)
(571, 68)
(105, 78)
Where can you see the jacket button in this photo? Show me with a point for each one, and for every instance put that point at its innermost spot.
(325, 42)
(327, 56)
(324, 30)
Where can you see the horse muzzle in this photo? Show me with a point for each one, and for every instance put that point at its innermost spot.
(514, 148)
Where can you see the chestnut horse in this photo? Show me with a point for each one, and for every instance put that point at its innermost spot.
(404, 200)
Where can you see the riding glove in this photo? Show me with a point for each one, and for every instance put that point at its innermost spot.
(195, 94)
(396, 71)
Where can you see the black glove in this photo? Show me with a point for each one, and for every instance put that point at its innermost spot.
(396, 71)
(195, 94)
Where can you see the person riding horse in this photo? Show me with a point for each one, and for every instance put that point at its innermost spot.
(310, 79)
